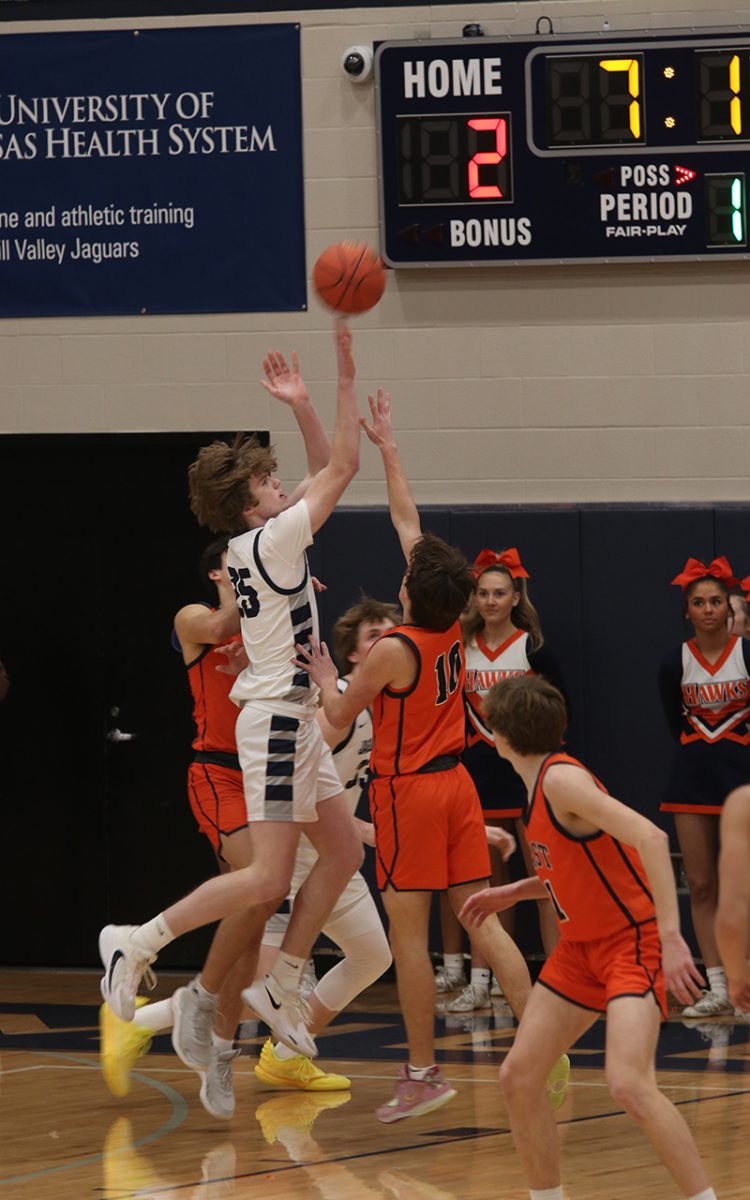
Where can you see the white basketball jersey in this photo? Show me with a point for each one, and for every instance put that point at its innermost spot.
(351, 757)
(715, 696)
(269, 571)
(485, 668)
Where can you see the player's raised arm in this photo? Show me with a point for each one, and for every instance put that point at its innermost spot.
(328, 485)
(575, 797)
(733, 912)
(196, 625)
(285, 383)
(404, 514)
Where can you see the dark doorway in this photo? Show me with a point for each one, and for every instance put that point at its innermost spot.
(99, 550)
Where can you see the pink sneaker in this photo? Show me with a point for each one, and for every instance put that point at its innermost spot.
(414, 1097)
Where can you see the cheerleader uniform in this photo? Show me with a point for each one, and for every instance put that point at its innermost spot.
(501, 790)
(707, 706)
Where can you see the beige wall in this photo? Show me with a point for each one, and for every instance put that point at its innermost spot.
(512, 384)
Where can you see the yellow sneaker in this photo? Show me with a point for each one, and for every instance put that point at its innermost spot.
(299, 1073)
(557, 1082)
(121, 1044)
(284, 1113)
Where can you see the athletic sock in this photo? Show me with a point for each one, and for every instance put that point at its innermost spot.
(197, 986)
(154, 935)
(154, 1017)
(706, 1194)
(283, 1052)
(480, 977)
(221, 1044)
(555, 1193)
(717, 982)
(454, 963)
(419, 1072)
(287, 971)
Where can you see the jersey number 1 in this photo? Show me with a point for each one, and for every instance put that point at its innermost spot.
(447, 679)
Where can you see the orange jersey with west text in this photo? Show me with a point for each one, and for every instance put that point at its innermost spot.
(425, 720)
(596, 885)
(214, 713)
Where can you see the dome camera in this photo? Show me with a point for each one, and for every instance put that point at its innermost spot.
(356, 63)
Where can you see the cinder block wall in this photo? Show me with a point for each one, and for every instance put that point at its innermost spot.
(532, 384)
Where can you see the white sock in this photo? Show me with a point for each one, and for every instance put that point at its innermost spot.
(154, 1017)
(154, 935)
(454, 963)
(419, 1072)
(287, 970)
(222, 1044)
(546, 1193)
(283, 1052)
(717, 981)
(197, 986)
(480, 977)
(706, 1194)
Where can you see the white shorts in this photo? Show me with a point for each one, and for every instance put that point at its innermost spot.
(287, 768)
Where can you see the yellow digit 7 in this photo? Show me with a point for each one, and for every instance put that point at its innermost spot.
(632, 66)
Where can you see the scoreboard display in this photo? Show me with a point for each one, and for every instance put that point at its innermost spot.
(564, 149)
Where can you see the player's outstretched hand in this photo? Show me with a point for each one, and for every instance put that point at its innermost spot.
(236, 657)
(380, 432)
(681, 976)
(342, 336)
(501, 839)
(317, 585)
(284, 383)
(316, 660)
(482, 904)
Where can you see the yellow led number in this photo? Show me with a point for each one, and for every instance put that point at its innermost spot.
(632, 66)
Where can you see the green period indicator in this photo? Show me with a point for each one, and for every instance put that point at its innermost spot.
(726, 208)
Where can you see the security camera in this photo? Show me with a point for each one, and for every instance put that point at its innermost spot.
(356, 63)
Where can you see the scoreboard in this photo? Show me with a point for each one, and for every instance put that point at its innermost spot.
(564, 149)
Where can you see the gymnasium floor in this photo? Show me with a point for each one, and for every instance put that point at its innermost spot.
(65, 1136)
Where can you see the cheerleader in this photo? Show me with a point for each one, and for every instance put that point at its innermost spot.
(502, 638)
(705, 693)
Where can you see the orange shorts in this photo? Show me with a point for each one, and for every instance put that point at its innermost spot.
(590, 974)
(429, 831)
(217, 798)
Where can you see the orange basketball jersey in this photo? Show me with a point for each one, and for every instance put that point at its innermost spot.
(214, 713)
(427, 719)
(597, 886)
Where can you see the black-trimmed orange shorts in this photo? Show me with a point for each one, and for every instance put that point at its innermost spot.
(590, 974)
(429, 831)
(217, 798)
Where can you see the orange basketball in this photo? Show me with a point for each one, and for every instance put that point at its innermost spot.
(349, 277)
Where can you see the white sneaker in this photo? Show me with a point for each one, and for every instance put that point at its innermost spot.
(709, 1005)
(496, 990)
(125, 965)
(193, 1021)
(217, 1092)
(471, 998)
(284, 1012)
(448, 981)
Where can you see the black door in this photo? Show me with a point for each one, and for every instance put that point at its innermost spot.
(99, 550)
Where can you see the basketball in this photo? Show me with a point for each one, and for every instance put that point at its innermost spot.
(349, 277)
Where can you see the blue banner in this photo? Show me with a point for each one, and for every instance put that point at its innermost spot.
(151, 171)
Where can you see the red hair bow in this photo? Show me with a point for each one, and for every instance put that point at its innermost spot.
(509, 559)
(695, 569)
(745, 585)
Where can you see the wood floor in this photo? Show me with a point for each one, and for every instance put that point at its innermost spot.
(64, 1136)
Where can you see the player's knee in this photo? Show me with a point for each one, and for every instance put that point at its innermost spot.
(630, 1092)
(512, 1077)
(702, 889)
(269, 884)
